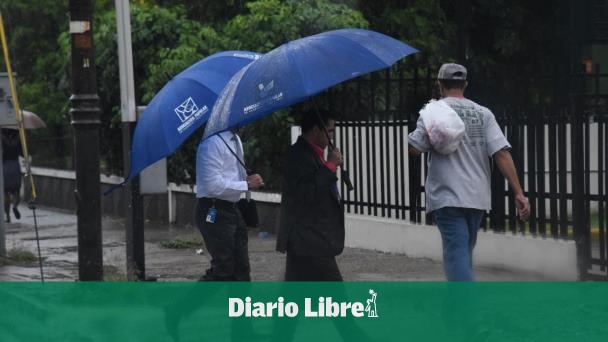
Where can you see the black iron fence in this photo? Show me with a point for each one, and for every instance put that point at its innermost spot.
(560, 147)
(559, 144)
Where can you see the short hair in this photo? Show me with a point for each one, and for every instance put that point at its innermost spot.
(453, 84)
(314, 117)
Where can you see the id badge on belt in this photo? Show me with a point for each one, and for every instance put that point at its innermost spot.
(211, 215)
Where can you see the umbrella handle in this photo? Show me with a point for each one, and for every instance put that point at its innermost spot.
(346, 179)
(343, 172)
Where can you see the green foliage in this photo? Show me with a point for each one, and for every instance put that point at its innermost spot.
(507, 42)
(164, 43)
(32, 35)
(32, 29)
(421, 23)
(113, 273)
(181, 164)
(199, 42)
(18, 256)
(265, 143)
(210, 12)
(269, 24)
(181, 244)
(512, 44)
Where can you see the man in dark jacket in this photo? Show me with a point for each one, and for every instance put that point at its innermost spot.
(312, 216)
(11, 150)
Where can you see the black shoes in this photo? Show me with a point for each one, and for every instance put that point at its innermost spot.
(17, 213)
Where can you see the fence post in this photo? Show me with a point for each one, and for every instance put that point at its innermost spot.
(414, 178)
(497, 213)
(579, 220)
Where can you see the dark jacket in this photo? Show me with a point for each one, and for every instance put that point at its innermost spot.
(312, 216)
(11, 145)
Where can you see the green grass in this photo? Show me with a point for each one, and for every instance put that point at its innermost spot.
(113, 273)
(181, 244)
(594, 221)
(17, 256)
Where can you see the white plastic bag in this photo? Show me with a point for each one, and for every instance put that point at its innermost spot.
(443, 126)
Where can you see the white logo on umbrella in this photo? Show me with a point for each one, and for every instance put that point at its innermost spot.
(186, 109)
(264, 89)
(188, 112)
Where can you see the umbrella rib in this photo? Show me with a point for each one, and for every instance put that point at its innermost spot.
(297, 68)
(372, 53)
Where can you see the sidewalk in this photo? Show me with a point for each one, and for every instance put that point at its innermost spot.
(58, 243)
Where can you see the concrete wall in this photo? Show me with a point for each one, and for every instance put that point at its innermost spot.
(554, 259)
(55, 188)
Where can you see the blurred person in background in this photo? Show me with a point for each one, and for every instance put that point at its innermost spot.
(11, 150)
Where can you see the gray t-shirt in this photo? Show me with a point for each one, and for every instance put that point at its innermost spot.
(462, 178)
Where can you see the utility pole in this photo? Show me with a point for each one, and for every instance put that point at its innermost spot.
(134, 212)
(86, 123)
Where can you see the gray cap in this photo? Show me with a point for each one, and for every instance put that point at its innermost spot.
(452, 71)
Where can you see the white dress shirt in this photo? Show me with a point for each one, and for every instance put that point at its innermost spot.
(218, 172)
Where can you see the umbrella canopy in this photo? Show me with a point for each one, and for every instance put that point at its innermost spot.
(182, 106)
(300, 69)
(30, 121)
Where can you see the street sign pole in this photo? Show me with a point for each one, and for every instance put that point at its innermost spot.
(134, 212)
(86, 123)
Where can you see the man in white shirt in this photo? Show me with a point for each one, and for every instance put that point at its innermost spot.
(221, 179)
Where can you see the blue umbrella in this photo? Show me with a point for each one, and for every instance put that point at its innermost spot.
(297, 70)
(182, 106)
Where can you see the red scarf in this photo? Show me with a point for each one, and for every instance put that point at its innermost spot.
(319, 152)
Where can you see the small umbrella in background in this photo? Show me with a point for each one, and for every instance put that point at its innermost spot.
(30, 121)
(299, 69)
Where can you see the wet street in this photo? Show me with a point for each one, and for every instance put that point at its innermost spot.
(58, 244)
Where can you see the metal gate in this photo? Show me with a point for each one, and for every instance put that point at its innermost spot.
(560, 149)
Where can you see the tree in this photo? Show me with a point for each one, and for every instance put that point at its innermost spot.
(211, 12)
(508, 43)
(32, 29)
(513, 49)
(421, 23)
(164, 43)
(269, 24)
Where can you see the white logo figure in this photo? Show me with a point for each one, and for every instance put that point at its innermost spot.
(371, 305)
(186, 109)
(264, 89)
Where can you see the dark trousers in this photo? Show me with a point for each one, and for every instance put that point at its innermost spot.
(226, 241)
(311, 268)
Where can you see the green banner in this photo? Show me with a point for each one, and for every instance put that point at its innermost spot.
(267, 311)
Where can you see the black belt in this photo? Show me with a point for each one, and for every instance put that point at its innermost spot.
(216, 202)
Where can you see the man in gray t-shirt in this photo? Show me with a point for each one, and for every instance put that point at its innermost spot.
(458, 184)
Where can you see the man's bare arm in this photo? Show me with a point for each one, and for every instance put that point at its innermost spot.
(413, 151)
(505, 164)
